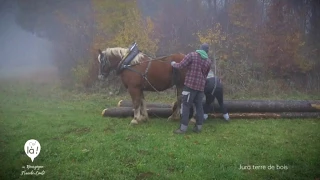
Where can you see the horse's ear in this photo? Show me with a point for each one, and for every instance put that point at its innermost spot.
(99, 51)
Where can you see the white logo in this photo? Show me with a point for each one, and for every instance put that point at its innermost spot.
(32, 148)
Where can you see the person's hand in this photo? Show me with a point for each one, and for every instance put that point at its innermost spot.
(172, 63)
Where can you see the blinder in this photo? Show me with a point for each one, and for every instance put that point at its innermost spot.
(104, 61)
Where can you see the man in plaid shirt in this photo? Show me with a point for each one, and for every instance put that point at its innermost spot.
(198, 66)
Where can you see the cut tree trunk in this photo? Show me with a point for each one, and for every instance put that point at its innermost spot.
(250, 106)
(126, 103)
(128, 112)
(166, 112)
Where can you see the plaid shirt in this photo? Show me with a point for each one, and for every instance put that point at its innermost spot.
(198, 70)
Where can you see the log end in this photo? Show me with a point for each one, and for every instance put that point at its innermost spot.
(119, 103)
(104, 111)
(316, 106)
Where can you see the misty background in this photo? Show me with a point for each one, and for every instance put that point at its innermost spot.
(21, 51)
(258, 43)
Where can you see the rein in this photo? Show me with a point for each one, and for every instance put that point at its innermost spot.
(164, 61)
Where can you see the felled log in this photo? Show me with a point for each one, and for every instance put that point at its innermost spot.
(126, 103)
(166, 112)
(250, 106)
(268, 115)
(128, 112)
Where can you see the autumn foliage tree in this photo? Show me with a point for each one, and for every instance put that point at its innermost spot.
(137, 29)
(117, 24)
(255, 41)
(284, 41)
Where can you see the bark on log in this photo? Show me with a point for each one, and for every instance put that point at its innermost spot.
(128, 112)
(166, 112)
(250, 106)
(269, 115)
(126, 103)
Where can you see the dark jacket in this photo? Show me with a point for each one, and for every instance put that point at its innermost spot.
(210, 84)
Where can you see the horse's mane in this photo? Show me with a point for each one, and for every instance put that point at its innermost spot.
(122, 52)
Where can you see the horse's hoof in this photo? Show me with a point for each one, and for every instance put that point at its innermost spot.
(134, 122)
(172, 118)
(145, 119)
(193, 120)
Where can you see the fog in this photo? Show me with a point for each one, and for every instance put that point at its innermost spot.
(21, 52)
(265, 36)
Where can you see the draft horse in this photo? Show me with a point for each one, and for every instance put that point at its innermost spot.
(143, 74)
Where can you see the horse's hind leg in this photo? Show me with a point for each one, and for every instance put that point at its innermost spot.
(136, 101)
(143, 109)
(176, 106)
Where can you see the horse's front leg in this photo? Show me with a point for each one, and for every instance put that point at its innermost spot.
(136, 95)
(143, 109)
(176, 109)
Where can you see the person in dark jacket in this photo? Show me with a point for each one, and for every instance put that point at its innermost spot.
(213, 90)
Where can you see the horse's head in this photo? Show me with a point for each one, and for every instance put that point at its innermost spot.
(109, 60)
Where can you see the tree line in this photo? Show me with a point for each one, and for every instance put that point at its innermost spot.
(254, 42)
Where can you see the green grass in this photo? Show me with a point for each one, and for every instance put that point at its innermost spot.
(77, 143)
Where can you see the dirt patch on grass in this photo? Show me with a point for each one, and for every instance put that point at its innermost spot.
(130, 162)
(58, 138)
(171, 169)
(78, 131)
(133, 138)
(108, 130)
(143, 152)
(144, 175)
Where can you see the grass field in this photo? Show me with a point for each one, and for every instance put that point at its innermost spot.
(77, 143)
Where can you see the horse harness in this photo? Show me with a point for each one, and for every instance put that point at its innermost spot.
(125, 64)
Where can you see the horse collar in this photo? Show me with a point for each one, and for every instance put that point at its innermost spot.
(124, 63)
